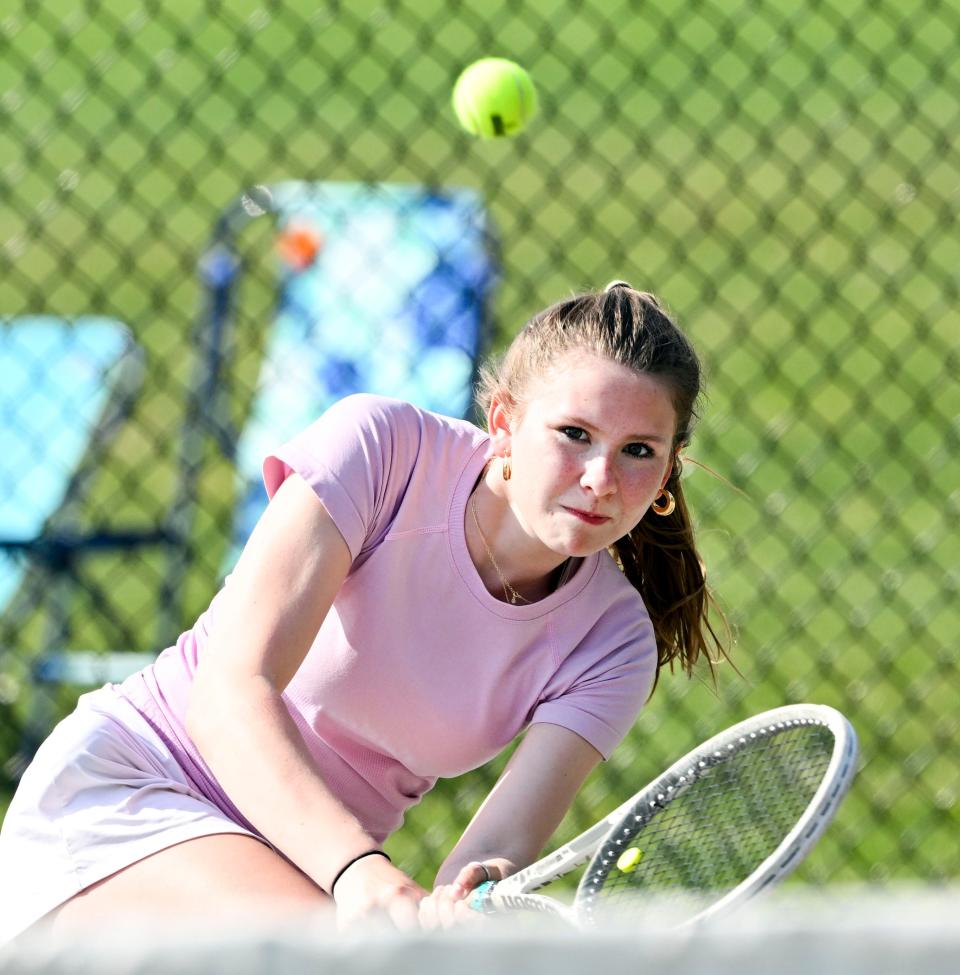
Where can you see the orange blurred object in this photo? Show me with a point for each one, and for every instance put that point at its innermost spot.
(299, 245)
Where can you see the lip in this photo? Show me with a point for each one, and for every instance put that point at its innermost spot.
(587, 517)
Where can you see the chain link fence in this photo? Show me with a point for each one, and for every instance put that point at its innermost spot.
(783, 175)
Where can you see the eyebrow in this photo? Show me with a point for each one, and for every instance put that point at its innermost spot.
(655, 438)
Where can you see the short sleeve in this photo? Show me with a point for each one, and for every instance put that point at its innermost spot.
(599, 696)
(358, 458)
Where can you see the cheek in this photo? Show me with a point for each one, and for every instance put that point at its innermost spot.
(640, 489)
(549, 461)
(550, 478)
(562, 465)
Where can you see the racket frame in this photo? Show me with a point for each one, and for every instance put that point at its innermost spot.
(516, 891)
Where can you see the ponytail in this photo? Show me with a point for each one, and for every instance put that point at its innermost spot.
(659, 557)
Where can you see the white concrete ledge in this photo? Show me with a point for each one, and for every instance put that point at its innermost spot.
(853, 932)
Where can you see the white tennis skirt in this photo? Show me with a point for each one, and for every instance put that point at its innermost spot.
(102, 792)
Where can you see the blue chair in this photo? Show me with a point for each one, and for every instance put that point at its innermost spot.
(67, 386)
(384, 289)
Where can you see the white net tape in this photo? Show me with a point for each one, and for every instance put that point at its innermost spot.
(852, 932)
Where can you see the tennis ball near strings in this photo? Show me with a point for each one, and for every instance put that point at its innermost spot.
(494, 97)
(629, 860)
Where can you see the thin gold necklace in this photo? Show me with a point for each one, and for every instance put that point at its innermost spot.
(508, 591)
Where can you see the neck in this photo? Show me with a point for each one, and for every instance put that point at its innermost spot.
(501, 551)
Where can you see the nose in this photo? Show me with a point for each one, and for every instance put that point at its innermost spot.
(598, 476)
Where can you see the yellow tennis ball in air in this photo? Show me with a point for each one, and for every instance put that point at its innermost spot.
(494, 97)
(628, 861)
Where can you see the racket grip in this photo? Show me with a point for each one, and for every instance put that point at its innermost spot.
(480, 898)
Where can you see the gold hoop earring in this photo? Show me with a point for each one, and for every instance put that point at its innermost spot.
(666, 507)
(506, 470)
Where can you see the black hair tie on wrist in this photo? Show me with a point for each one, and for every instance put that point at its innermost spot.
(350, 863)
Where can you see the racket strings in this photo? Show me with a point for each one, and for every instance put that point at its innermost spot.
(718, 822)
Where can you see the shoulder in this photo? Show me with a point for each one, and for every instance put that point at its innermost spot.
(614, 595)
(616, 626)
(369, 439)
(383, 416)
(368, 455)
(609, 671)
(368, 411)
(364, 428)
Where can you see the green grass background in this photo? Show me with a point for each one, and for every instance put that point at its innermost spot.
(782, 175)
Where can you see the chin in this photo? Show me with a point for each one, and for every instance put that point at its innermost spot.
(581, 548)
(582, 541)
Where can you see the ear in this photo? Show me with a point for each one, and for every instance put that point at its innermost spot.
(500, 424)
(674, 465)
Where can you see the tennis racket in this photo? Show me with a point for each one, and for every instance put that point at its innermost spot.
(726, 821)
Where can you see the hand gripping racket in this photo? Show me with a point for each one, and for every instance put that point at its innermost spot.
(728, 820)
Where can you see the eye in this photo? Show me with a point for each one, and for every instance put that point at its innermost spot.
(638, 450)
(574, 433)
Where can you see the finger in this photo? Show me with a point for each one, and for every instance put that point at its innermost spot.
(463, 913)
(427, 914)
(472, 875)
(467, 878)
(428, 911)
(404, 911)
(434, 907)
(448, 908)
(453, 913)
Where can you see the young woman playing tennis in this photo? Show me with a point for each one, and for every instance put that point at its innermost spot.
(417, 593)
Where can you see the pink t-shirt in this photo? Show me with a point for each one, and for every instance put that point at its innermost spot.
(418, 672)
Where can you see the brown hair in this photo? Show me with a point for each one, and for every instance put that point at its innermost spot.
(659, 555)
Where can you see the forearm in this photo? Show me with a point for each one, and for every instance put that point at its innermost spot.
(526, 805)
(500, 850)
(264, 767)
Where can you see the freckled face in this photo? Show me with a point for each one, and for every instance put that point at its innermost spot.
(591, 448)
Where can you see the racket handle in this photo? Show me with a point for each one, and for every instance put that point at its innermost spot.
(480, 898)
